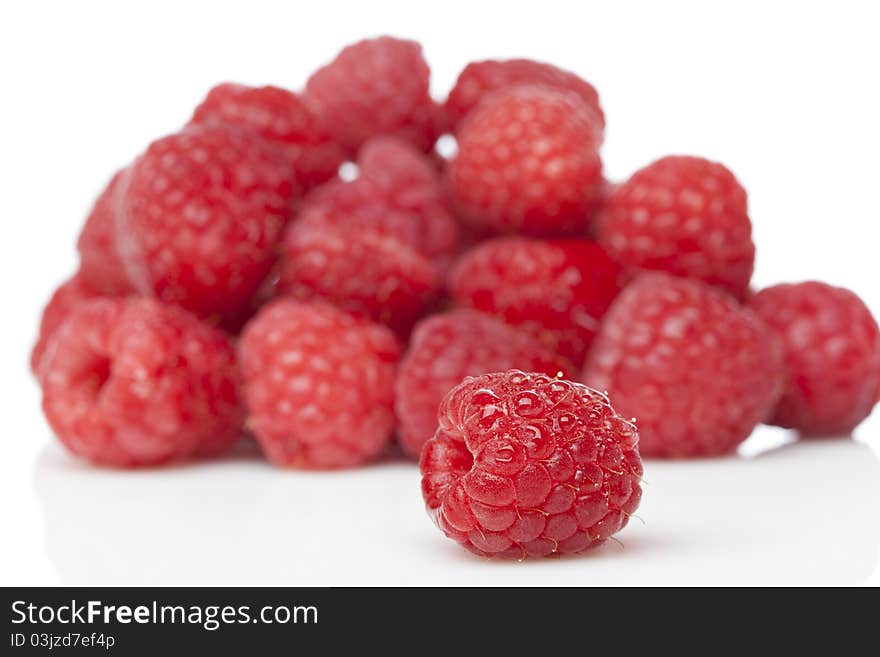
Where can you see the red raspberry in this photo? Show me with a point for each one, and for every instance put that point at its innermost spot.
(832, 356)
(319, 384)
(479, 79)
(202, 216)
(68, 296)
(356, 268)
(281, 118)
(446, 348)
(558, 290)
(683, 215)
(374, 87)
(525, 465)
(528, 162)
(397, 192)
(130, 382)
(100, 263)
(694, 368)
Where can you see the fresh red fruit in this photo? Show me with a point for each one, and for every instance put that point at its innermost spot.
(695, 369)
(557, 290)
(376, 87)
(68, 296)
(203, 213)
(281, 118)
(832, 356)
(319, 384)
(446, 348)
(685, 216)
(131, 382)
(525, 465)
(480, 79)
(101, 266)
(528, 162)
(398, 193)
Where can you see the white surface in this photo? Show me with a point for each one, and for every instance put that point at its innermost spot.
(783, 94)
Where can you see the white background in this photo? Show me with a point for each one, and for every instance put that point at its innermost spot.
(784, 94)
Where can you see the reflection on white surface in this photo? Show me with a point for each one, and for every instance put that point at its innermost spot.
(804, 513)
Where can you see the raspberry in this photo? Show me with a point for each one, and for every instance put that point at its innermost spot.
(130, 382)
(480, 79)
(525, 465)
(832, 356)
(448, 347)
(528, 162)
(281, 118)
(375, 87)
(398, 192)
(685, 216)
(694, 368)
(557, 290)
(68, 296)
(319, 384)
(100, 263)
(202, 215)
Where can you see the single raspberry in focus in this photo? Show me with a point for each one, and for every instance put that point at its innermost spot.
(397, 192)
(832, 356)
(479, 79)
(64, 300)
(528, 162)
(446, 348)
(319, 384)
(131, 382)
(376, 87)
(356, 268)
(557, 290)
(101, 266)
(526, 465)
(683, 215)
(203, 213)
(281, 118)
(695, 369)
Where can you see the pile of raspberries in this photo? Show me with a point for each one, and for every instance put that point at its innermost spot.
(521, 324)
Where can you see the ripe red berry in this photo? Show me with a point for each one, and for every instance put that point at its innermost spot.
(525, 465)
(375, 87)
(68, 296)
(685, 216)
(832, 356)
(480, 79)
(446, 348)
(282, 119)
(101, 266)
(202, 215)
(557, 290)
(130, 382)
(528, 162)
(694, 368)
(319, 384)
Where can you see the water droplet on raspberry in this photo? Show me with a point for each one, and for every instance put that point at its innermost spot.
(528, 404)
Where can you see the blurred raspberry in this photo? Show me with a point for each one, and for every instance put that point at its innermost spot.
(480, 79)
(202, 216)
(683, 215)
(832, 356)
(319, 384)
(528, 162)
(281, 118)
(448, 347)
(557, 290)
(376, 87)
(696, 370)
(525, 465)
(130, 382)
(100, 263)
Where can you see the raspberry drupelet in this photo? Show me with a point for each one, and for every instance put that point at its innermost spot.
(527, 465)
